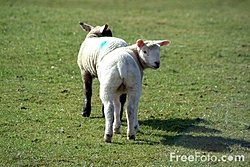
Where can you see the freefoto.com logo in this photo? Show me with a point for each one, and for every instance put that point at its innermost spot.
(205, 157)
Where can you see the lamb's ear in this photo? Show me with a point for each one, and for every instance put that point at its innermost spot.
(85, 27)
(104, 28)
(140, 43)
(164, 42)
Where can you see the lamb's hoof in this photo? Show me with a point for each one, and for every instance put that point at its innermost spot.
(131, 137)
(86, 110)
(85, 114)
(107, 138)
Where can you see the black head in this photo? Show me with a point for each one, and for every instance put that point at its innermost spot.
(98, 31)
(107, 33)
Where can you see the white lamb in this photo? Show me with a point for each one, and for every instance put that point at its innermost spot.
(97, 44)
(121, 71)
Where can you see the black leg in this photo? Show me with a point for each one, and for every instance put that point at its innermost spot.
(122, 100)
(103, 115)
(87, 82)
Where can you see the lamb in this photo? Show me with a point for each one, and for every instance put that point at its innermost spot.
(97, 44)
(121, 71)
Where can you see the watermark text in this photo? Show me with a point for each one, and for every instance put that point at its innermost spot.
(197, 156)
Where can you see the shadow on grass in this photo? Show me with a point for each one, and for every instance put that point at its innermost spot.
(209, 143)
(184, 126)
(176, 125)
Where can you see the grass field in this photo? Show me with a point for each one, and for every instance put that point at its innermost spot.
(194, 110)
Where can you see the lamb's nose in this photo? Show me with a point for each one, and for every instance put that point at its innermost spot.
(157, 64)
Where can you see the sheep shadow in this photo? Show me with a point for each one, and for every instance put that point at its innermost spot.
(209, 142)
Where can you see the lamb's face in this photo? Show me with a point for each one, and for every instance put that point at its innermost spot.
(150, 54)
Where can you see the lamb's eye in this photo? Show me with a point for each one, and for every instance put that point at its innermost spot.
(145, 51)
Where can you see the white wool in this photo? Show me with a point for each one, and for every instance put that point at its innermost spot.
(94, 49)
(121, 71)
(97, 44)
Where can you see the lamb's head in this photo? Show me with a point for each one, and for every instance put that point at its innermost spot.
(149, 52)
(98, 31)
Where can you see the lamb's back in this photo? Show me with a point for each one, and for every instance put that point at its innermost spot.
(94, 49)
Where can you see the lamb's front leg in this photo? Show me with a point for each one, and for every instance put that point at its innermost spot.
(117, 120)
(122, 100)
(130, 119)
(136, 123)
(87, 85)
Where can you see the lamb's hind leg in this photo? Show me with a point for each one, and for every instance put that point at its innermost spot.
(122, 100)
(107, 100)
(109, 112)
(87, 85)
(117, 120)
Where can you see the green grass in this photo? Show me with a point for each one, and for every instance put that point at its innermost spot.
(198, 101)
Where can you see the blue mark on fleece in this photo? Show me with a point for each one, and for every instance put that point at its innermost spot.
(103, 44)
